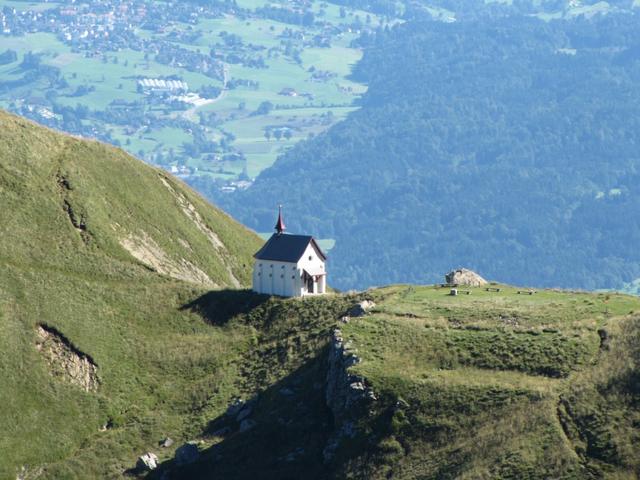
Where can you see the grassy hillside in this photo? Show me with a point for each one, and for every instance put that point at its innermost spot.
(107, 251)
(500, 384)
(123, 320)
(486, 385)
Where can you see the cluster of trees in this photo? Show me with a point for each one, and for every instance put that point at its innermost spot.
(277, 133)
(170, 54)
(503, 144)
(287, 15)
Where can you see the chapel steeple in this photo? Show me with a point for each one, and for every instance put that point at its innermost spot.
(280, 228)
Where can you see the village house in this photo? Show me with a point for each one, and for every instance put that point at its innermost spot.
(289, 265)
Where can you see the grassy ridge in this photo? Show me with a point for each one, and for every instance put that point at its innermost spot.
(490, 385)
(497, 385)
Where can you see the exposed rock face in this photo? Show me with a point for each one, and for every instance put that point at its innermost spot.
(190, 211)
(344, 390)
(147, 462)
(29, 473)
(65, 361)
(462, 276)
(360, 309)
(605, 339)
(345, 393)
(146, 250)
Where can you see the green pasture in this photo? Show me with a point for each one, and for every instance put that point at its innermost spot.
(544, 308)
(45, 43)
(113, 77)
(548, 333)
(589, 10)
(332, 14)
(470, 377)
(255, 31)
(260, 152)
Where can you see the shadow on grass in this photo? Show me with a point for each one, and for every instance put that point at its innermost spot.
(278, 434)
(217, 307)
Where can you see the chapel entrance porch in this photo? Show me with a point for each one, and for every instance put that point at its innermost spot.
(313, 283)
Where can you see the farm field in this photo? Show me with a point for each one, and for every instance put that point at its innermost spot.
(254, 83)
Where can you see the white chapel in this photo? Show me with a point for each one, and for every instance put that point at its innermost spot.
(289, 265)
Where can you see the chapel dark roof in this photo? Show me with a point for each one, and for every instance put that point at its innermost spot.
(285, 247)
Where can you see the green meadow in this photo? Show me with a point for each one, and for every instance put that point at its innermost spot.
(112, 76)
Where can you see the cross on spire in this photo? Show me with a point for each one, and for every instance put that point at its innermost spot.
(280, 228)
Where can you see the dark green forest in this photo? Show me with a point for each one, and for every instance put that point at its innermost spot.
(501, 143)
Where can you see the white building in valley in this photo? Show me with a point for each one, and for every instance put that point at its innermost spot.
(289, 265)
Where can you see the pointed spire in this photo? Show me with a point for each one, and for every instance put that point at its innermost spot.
(280, 228)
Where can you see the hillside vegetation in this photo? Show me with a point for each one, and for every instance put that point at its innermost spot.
(105, 251)
(494, 384)
(500, 384)
(123, 321)
(501, 142)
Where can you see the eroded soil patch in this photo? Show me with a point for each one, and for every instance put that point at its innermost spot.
(190, 211)
(65, 361)
(147, 251)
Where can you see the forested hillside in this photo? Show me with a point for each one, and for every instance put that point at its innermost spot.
(500, 142)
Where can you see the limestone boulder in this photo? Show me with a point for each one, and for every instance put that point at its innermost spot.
(167, 442)
(147, 462)
(361, 308)
(463, 276)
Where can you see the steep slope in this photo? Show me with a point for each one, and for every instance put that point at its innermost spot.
(497, 383)
(506, 144)
(99, 253)
(61, 195)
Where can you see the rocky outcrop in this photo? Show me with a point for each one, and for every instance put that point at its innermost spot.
(346, 393)
(463, 276)
(29, 473)
(361, 308)
(605, 339)
(344, 389)
(167, 442)
(147, 462)
(64, 360)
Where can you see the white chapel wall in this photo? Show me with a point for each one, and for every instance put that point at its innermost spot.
(276, 278)
(310, 260)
